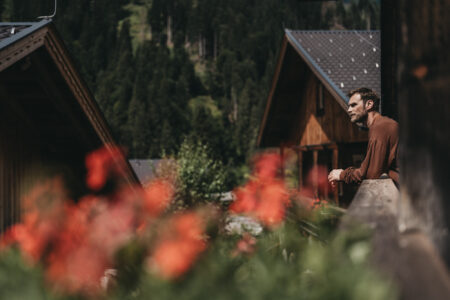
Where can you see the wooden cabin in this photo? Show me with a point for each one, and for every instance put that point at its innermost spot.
(49, 119)
(306, 107)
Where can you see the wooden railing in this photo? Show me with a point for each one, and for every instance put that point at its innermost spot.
(408, 258)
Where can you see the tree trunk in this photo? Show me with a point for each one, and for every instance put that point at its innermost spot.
(169, 31)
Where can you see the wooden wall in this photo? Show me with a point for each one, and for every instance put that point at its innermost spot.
(43, 133)
(17, 153)
(332, 126)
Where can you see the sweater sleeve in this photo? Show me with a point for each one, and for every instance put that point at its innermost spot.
(372, 166)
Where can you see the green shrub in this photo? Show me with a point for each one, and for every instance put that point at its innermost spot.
(200, 178)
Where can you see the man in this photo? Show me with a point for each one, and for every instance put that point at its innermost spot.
(381, 156)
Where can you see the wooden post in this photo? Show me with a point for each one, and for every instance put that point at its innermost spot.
(282, 160)
(423, 90)
(316, 178)
(335, 163)
(389, 59)
(300, 168)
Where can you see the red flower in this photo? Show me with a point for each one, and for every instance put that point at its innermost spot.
(246, 198)
(264, 196)
(246, 245)
(267, 166)
(77, 260)
(79, 270)
(318, 178)
(177, 251)
(112, 228)
(271, 208)
(102, 164)
(43, 214)
(158, 195)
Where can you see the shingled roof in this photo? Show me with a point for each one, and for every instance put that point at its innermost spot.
(11, 32)
(343, 60)
(145, 168)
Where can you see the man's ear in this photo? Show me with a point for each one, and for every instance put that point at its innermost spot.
(369, 105)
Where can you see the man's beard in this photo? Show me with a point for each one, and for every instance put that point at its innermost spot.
(362, 126)
(361, 121)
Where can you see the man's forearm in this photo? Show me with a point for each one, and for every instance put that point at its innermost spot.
(351, 175)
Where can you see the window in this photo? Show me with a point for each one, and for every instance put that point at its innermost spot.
(320, 106)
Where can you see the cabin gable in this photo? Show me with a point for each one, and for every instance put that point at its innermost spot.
(49, 120)
(331, 124)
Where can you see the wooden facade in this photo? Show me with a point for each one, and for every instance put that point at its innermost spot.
(49, 120)
(325, 136)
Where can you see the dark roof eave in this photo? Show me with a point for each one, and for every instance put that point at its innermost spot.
(23, 33)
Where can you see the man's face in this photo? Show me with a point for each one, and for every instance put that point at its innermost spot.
(356, 109)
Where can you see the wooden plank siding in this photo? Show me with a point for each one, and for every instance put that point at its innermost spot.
(15, 159)
(333, 126)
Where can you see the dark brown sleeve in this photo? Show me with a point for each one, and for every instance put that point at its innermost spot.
(372, 165)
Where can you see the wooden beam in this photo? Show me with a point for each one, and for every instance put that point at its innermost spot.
(315, 147)
(282, 160)
(300, 168)
(335, 164)
(316, 178)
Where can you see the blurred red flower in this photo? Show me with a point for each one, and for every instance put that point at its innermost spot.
(267, 166)
(43, 214)
(179, 247)
(83, 249)
(102, 164)
(264, 196)
(274, 199)
(78, 270)
(158, 195)
(246, 198)
(316, 188)
(318, 178)
(112, 227)
(246, 245)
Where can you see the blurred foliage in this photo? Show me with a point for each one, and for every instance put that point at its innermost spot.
(19, 280)
(285, 265)
(126, 243)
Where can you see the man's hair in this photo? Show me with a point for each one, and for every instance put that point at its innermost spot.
(367, 94)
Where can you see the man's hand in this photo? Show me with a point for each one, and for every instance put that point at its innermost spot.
(334, 175)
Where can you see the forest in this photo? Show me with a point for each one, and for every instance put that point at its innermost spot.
(165, 71)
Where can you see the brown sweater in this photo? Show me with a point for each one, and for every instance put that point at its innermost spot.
(381, 154)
